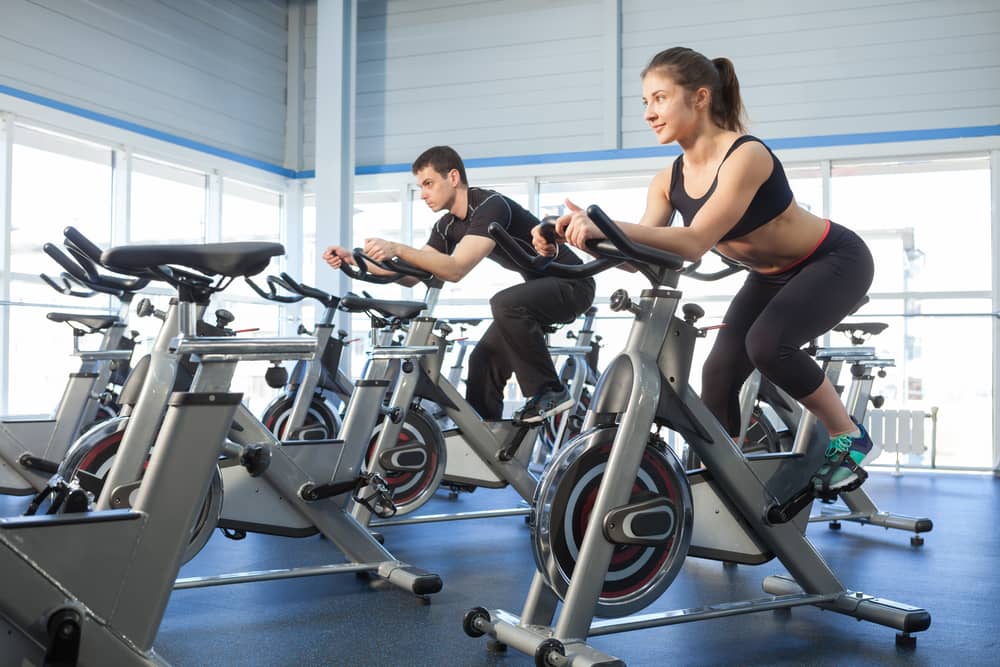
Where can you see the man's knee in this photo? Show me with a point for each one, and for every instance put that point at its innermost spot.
(482, 354)
(504, 303)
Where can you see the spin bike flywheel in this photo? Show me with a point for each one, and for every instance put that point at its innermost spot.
(415, 464)
(91, 457)
(319, 414)
(639, 571)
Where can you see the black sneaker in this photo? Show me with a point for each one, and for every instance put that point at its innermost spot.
(544, 404)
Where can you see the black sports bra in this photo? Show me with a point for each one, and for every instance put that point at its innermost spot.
(772, 197)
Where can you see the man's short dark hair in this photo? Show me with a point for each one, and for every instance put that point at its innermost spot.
(443, 159)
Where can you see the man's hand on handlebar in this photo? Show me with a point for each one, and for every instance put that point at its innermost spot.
(381, 250)
(545, 243)
(335, 256)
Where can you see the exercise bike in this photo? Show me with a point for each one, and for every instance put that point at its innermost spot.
(31, 449)
(292, 488)
(415, 462)
(864, 367)
(91, 587)
(614, 520)
(314, 394)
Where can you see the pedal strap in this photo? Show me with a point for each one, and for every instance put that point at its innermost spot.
(841, 460)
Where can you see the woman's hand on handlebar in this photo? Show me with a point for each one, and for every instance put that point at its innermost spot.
(335, 256)
(576, 227)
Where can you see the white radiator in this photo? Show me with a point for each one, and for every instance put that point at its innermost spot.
(899, 431)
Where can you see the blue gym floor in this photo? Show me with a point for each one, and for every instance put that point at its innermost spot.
(347, 620)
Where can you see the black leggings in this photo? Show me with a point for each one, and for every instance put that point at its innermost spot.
(515, 342)
(774, 315)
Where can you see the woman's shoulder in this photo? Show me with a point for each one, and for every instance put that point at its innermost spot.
(664, 177)
(747, 150)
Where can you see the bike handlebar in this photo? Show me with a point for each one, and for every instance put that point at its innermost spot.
(542, 265)
(272, 294)
(67, 285)
(396, 266)
(88, 257)
(616, 249)
(634, 250)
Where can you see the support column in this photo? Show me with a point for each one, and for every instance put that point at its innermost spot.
(292, 239)
(336, 57)
(213, 207)
(121, 196)
(6, 159)
(611, 56)
(995, 242)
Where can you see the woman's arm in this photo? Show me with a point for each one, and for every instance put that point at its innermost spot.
(739, 178)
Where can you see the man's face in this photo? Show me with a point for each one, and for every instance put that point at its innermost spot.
(437, 191)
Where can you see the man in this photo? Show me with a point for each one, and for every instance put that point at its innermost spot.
(514, 342)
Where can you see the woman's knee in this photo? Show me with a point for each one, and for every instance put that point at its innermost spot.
(765, 352)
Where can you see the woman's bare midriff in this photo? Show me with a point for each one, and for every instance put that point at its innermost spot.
(780, 243)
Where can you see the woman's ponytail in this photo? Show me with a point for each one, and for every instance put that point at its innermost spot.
(727, 105)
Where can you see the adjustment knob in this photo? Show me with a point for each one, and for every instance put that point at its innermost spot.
(223, 317)
(620, 301)
(692, 312)
(144, 308)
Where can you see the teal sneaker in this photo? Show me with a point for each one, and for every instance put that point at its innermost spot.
(845, 455)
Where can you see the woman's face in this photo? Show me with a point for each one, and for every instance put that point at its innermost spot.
(670, 109)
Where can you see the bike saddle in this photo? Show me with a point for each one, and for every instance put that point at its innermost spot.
(869, 328)
(404, 310)
(93, 322)
(241, 258)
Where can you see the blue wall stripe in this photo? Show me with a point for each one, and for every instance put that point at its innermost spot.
(146, 131)
(513, 160)
(673, 150)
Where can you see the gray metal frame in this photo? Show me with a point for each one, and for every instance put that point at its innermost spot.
(484, 439)
(117, 579)
(860, 508)
(648, 382)
(50, 439)
(112, 588)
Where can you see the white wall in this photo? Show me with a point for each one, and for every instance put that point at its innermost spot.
(205, 71)
(498, 78)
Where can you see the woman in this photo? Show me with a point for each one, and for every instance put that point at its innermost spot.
(805, 273)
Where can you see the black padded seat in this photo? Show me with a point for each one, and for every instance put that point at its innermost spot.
(870, 328)
(404, 310)
(87, 321)
(241, 258)
(471, 321)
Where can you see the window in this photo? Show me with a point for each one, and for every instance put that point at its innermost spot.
(936, 210)
(40, 350)
(807, 186)
(168, 203)
(56, 182)
(379, 214)
(925, 247)
(309, 239)
(250, 214)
